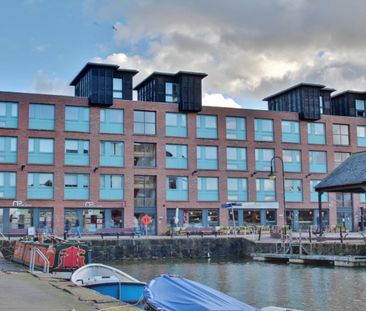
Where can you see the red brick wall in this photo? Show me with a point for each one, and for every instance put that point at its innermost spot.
(129, 171)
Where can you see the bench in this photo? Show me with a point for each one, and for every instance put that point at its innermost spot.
(199, 231)
(115, 232)
(13, 232)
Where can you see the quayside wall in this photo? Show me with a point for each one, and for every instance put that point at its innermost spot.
(197, 247)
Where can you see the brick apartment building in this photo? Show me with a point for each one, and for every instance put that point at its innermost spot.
(102, 158)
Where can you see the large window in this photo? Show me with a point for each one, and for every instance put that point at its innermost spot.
(77, 119)
(8, 115)
(291, 160)
(176, 124)
(206, 126)
(263, 130)
(263, 159)
(293, 190)
(177, 188)
(40, 150)
(207, 157)
(314, 194)
(171, 92)
(40, 186)
(76, 152)
(8, 149)
(8, 185)
(265, 190)
(111, 187)
(316, 133)
(236, 128)
(339, 157)
(208, 189)
(144, 122)
(76, 186)
(290, 131)
(41, 117)
(144, 155)
(117, 88)
(361, 136)
(237, 189)
(111, 153)
(318, 161)
(145, 191)
(176, 156)
(340, 134)
(236, 158)
(111, 121)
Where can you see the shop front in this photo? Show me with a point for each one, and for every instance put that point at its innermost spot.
(91, 220)
(19, 219)
(252, 213)
(205, 217)
(302, 219)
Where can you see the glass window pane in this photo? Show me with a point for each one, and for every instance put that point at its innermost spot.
(46, 145)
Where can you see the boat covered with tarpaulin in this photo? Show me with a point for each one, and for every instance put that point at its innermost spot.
(173, 293)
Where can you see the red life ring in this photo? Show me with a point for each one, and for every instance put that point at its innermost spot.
(146, 220)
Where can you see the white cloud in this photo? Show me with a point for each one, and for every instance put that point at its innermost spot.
(41, 48)
(249, 49)
(46, 83)
(218, 100)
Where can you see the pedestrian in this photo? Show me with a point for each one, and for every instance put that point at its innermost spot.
(77, 228)
(66, 228)
(135, 225)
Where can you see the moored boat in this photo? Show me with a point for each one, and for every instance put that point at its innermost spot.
(109, 281)
(172, 293)
(61, 255)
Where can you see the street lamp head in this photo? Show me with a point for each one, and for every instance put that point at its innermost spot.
(272, 175)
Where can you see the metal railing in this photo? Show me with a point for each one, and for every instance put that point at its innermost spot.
(36, 251)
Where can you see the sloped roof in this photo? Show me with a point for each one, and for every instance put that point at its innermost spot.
(349, 176)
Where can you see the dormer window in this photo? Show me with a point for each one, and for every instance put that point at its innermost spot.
(117, 88)
(360, 108)
(321, 104)
(171, 93)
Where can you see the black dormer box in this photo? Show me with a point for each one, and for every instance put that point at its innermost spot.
(101, 83)
(183, 88)
(308, 99)
(349, 103)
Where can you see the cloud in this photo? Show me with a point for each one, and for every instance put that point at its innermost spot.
(41, 48)
(247, 48)
(46, 83)
(218, 100)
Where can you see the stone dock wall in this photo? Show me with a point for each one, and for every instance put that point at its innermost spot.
(197, 247)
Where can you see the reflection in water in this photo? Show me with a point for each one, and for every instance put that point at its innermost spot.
(262, 284)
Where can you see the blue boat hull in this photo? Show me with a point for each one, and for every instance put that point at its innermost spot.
(126, 292)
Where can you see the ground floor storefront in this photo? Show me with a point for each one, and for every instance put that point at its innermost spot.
(91, 220)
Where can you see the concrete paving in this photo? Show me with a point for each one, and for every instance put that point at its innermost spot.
(23, 291)
(20, 291)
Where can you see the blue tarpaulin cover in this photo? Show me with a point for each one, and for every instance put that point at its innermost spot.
(171, 293)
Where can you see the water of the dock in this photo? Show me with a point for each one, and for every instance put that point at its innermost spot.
(22, 291)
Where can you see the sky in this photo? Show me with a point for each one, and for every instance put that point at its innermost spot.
(249, 48)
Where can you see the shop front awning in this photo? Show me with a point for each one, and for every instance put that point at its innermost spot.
(251, 205)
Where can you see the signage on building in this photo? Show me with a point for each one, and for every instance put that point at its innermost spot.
(251, 205)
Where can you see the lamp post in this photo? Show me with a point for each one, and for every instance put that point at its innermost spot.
(273, 176)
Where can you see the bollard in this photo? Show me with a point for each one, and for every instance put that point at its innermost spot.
(65, 235)
(259, 233)
(341, 235)
(310, 234)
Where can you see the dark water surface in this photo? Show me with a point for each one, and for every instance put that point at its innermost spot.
(264, 284)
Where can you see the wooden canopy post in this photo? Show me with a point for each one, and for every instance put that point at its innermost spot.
(320, 213)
